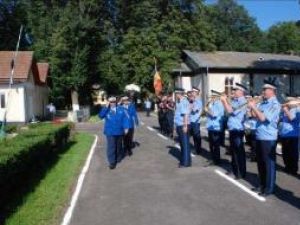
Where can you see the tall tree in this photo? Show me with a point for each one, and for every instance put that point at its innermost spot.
(235, 29)
(283, 38)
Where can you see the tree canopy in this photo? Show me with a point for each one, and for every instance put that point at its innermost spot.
(114, 42)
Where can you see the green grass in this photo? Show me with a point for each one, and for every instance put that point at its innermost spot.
(94, 119)
(46, 204)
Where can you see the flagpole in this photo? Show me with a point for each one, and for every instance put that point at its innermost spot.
(13, 63)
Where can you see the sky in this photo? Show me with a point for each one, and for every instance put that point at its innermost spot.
(270, 12)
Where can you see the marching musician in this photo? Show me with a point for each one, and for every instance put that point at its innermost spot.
(115, 126)
(131, 113)
(250, 128)
(214, 125)
(195, 114)
(181, 121)
(235, 124)
(289, 134)
(170, 115)
(267, 114)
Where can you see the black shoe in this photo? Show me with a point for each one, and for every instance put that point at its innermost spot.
(112, 166)
(129, 153)
(257, 189)
(264, 194)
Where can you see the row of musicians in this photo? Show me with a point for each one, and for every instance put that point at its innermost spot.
(264, 118)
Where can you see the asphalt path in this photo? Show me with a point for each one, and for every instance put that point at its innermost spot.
(149, 189)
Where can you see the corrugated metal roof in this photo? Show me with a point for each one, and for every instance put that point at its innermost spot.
(244, 60)
(182, 68)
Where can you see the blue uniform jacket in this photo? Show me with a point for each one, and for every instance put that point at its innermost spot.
(182, 109)
(115, 121)
(215, 121)
(289, 128)
(268, 129)
(196, 109)
(237, 117)
(130, 112)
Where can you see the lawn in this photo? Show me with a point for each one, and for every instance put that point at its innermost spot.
(47, 202)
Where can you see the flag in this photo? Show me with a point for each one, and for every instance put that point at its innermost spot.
(157, 83)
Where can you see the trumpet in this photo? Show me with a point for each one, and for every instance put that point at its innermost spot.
(256, 99)
(293, 103)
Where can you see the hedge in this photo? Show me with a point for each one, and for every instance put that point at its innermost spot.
(19, 155)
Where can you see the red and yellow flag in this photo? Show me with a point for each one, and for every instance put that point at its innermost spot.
(157, 83)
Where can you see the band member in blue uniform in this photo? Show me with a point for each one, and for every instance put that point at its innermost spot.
(267, 114)
(181, 121)
(195, 114)
(214, 124)
(289, 136)
(236, 117)
(116, 124)
(250, 129)
(170, 115)
(130, 112)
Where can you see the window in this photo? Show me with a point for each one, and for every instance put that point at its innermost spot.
(2, 100)
(228, 85)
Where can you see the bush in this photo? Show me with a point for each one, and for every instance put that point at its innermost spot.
(19, 155)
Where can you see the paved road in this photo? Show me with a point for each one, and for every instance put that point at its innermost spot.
(149, 189)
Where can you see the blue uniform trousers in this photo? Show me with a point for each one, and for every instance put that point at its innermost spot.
(238, 155)
(185, 156)
(252, 145)
(215, 138)
(290, 154)
(266, 159)
(114, 149)
(128, 141)
(195, 133)
(170, 119)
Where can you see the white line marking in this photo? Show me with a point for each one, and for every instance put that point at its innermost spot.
(150, 128)
(177, 146)
(162, 136)
(241, 186)
(69, 212)
(142, 123)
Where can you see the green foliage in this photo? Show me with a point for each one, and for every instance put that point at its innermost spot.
(283, 38)
(113, 42)
(30, 147)
(45, 202)
(235, 29)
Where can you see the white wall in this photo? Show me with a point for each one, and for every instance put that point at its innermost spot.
(15, 103)
(216, 81)
(186, 83)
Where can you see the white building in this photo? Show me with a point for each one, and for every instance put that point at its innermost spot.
(28, 95)
(220, 70)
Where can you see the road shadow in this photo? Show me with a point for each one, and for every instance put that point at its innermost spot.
(175, 152)
(287, 196)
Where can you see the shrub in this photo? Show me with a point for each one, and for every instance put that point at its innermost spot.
(19, 155)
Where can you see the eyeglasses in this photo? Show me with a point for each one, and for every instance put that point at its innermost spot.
(112, 102)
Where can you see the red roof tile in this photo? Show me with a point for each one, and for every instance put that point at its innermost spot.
(23, 64)
(43, 70)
